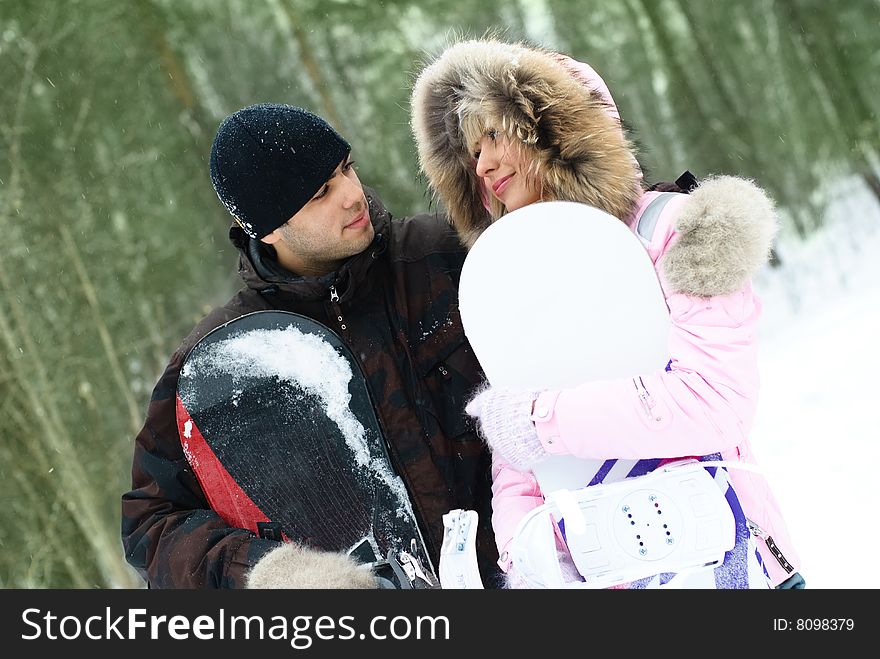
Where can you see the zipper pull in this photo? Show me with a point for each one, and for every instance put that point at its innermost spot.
(755, 529)
(644, 397)
(334, 297)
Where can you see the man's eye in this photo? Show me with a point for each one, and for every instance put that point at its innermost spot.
(347, 166)
(322, 192)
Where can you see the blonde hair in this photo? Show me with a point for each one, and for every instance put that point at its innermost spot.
(474, 124)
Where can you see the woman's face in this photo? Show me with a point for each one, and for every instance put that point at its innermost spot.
(504, 168)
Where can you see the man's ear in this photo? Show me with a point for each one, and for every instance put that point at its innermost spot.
(273, 237)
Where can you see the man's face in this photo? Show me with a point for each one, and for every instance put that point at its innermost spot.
(332, 226)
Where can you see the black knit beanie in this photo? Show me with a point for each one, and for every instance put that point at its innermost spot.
(268, 160)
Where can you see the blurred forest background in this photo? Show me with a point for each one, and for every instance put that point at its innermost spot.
(115, 245)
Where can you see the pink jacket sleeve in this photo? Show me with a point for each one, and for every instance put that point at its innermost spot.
(514, 494)
(703, 402)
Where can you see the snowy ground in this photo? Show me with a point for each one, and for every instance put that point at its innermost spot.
(817, 432)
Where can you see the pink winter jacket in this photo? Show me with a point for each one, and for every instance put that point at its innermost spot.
(704, 402)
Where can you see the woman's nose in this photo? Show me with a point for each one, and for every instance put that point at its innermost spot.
(486, 162)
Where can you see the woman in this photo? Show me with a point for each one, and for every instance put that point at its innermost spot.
(500, 126)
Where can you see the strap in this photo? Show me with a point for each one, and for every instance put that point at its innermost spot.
(744, 466)
(458, 553)
(649, 217)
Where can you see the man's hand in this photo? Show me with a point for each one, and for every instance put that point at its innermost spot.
(294, 566)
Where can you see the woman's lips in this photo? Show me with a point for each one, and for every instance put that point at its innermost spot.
(500, 184)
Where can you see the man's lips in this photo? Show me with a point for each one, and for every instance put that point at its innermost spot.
(500, 184)
(359, 221)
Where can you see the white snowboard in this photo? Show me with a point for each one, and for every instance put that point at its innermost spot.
(557, 294)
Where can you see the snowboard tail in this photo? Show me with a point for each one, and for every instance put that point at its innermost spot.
(276, 420)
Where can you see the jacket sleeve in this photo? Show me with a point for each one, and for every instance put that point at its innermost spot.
(514, 493)
(705, 248)
(169, 532)
(703, 402)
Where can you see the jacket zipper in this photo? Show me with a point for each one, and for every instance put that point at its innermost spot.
(647, 400)
(771, 545)
(389, 448)
(334, 298)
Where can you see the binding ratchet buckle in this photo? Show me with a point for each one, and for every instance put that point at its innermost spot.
(403, 571)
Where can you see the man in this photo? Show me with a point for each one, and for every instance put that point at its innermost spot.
(314, 241)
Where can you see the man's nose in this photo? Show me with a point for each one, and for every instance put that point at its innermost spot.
(354, 192)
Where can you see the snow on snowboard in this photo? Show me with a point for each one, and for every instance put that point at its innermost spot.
(556, 294)
(276, 420)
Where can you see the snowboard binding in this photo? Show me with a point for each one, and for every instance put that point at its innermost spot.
(675, 519)
(458, 553)
(402, 572)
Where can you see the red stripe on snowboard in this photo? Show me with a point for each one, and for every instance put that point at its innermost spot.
(224, 494)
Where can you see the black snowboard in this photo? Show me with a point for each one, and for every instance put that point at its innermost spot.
(277, 422)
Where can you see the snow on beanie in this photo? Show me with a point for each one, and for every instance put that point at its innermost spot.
(268, 160)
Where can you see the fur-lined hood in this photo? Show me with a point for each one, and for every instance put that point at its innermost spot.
(535, 96)
(564, 110)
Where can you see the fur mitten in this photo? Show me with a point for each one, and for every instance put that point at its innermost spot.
(294, 566)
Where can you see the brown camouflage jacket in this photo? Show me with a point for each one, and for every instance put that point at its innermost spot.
(399, 310)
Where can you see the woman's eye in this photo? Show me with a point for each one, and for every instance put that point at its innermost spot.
(476, 155)
(492, 134)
